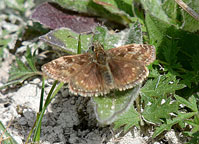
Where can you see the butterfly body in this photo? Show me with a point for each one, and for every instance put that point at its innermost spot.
(99, 72)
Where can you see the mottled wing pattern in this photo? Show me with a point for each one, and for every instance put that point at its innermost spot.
(89, 81)
(125, 68)
(140, 52)
(126, 73)
(63, 68)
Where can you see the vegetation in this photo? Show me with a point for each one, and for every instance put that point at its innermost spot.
(169, 98)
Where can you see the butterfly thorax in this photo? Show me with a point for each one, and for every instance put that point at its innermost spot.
(100, 58)
(99, 55)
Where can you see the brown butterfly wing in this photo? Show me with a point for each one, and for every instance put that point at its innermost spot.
(89, 81)
(63, 68)
(140, 52)
(127, 74)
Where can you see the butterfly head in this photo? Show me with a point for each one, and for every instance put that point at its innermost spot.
(99, 55)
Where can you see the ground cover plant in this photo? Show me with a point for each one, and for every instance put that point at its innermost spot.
(166, 101)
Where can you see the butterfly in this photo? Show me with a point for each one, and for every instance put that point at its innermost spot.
(98, 72)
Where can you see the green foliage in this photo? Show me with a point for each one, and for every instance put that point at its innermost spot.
(66, 40)
(157, 112)
(156, 96)
(191, 24)
(160, 86)
(169, 123)
(174, 76)
(3, 44)
(156, 29)
(5, 137)
(105, 8)
(154, 8)
(128, 120)
(190, 104)
(21, 71)
(170, 7)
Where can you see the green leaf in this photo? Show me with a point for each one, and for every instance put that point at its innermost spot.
(157, 111)
(161, 85)
(175, 50)
(170, 51)
(191, 24)
(170, 7)
(195, 62)
(128, 120)
(170, 123)
(66, 40)
(31, 59)
(195, 127)
(16, 4)
(108, 108)
(9, 139)
(156, 28)
(3, 45)
(110, 12)
(154, 95)
(111, 40)
(21, 71)
(194, 139)
(134, 34)
(154, 7)
(50, 96)
(107, 39)
(117, 7)
(190, 104)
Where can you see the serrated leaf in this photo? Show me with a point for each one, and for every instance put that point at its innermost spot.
(170, 52)
(172, 122)
(110, 107)
(156, 29)
(194, 139)
(189, 77)
(191, 24)
(161, 85)
(128, 119)
(31, 59)
(190, 104)
(195, 62)
(170, 8)
(157, 111)
(154, 7)
(178, 44)
(21, 71)
(54, 17)
(195, 126)
(155, 92)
